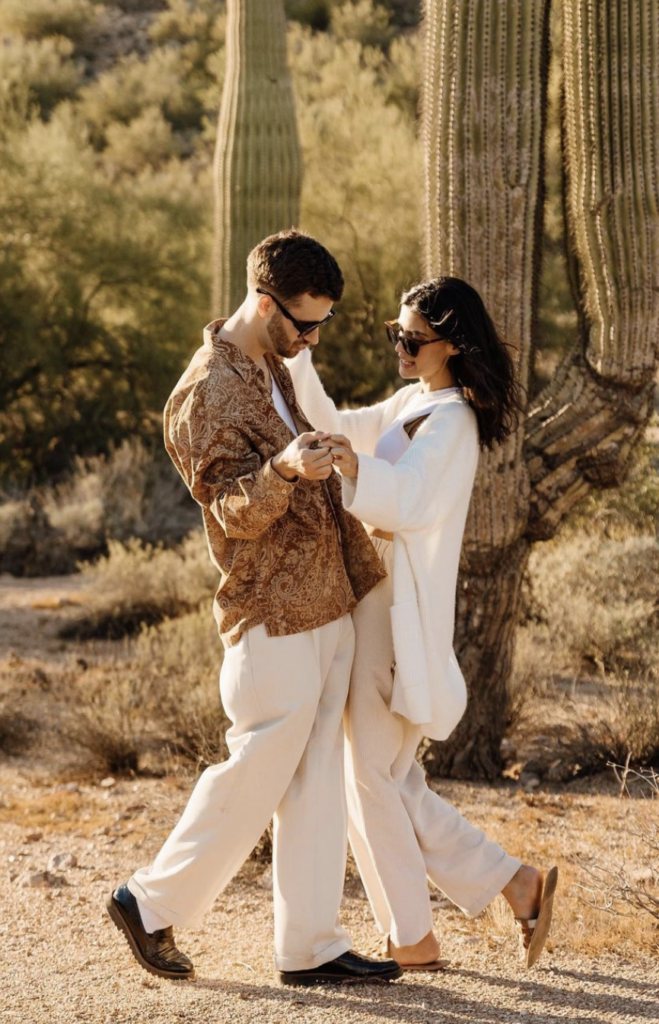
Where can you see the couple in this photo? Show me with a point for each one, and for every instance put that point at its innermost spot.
(257, 440)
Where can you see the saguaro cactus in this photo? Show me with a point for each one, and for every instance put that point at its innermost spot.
(484, 103)
(257, 169)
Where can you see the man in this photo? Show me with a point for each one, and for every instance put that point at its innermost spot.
(293, 564)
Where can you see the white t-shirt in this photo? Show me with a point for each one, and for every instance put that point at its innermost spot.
(395, 441)
(281, 407)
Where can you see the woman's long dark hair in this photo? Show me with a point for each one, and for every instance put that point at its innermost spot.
(483, 367)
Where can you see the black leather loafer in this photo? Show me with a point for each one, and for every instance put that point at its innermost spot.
(350, 967)
(155, 952)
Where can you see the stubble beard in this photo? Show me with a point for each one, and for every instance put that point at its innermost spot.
(281, 343)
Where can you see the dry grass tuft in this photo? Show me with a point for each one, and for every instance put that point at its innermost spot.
(17, 730)
(596, 602)
(128, 493)
(620, 890)
(136, 585)
(154, 704)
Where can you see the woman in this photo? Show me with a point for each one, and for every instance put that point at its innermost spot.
(408, 466)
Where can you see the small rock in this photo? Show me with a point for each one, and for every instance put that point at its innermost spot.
(528, 781)
(108, 782)
(67, 787)
(102, 830)
(41, 879)
(63, 861)
(33, 837)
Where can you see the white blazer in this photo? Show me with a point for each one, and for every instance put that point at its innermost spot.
(423, 500)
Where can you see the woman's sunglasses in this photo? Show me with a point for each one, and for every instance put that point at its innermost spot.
(411, 346)
(301, 326)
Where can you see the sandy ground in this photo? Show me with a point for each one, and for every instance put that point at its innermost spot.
(65, 962)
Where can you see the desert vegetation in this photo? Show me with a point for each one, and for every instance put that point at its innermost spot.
(108, 116)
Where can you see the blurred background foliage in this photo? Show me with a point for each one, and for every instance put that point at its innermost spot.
(108, 114)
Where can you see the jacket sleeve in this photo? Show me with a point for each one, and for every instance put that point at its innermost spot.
(225, 474)
(420, 489)
(361, 426)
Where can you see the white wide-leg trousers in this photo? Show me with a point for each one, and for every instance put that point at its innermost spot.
(400, 830)
(285, 697)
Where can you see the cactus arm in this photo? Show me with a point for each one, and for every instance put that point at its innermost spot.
(584, 427)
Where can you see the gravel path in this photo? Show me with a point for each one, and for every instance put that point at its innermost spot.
(65, 962)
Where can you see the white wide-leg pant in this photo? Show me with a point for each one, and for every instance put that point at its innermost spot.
(285, 697)
(400, 830)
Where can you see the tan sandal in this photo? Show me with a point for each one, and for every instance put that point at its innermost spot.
(433, 965)
(534, 930)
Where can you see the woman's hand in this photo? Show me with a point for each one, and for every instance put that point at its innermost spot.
(343, 457)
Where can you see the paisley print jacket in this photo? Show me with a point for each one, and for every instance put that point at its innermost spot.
(288, 554)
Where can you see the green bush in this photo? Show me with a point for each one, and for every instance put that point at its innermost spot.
(148, 141)
(42, 68)
(362, 195)
(367, 22)
(102, 295)
(35, 19)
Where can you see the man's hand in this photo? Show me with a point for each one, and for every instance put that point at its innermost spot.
(343, 457)
(307, 456)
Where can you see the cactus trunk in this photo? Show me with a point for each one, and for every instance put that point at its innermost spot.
(484, 114)
(484, 103)
(257, 169)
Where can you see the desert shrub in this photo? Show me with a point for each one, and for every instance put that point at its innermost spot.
(154, 703)
(106, 720)
(197, 30)
(34, 19)
(347, 98)
(147, 141)
(632, 508)
(41, 67)
(137, 584)
(29, 546)
(182, 658)
(134, 85)
(101, 296)
(367, 22)
(131, 492)
(596, 601)
(624, 729)
(617, 890)
(17, 730)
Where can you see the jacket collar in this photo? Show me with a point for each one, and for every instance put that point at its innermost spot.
(241, 362)
(249, 371)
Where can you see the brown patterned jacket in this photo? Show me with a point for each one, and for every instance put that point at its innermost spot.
(289, 555)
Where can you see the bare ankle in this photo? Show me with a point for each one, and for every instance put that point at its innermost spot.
(424, 951)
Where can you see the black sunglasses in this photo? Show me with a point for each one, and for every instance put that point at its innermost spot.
(411, 346)
(301, 326)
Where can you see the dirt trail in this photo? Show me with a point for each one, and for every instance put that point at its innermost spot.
(64, 961)
(31, 612)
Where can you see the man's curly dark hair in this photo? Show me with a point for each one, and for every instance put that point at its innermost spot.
(292, 263)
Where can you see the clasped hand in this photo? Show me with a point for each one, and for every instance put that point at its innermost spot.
(312, 456)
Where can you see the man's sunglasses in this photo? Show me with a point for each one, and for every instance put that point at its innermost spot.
(411, 346)
(301, 326)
